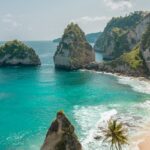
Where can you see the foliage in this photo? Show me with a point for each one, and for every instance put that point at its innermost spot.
(120, 26)
(133, 58)
(74, 31)
(120, 41)
(146, 39)
(115, 134)
(17, 49)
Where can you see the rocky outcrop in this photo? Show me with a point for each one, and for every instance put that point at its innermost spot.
(130, 64)
(61, 136)
(122, 34)
(145, 46)
(16, 53)
(73, 52)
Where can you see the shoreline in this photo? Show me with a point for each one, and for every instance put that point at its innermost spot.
(142, 140)
(138, 84)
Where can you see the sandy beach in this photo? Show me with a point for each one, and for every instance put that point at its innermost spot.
(142, 141)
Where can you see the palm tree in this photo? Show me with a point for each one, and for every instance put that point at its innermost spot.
(116, 134)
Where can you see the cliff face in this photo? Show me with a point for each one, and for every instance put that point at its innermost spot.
(145, 46)
(73, 52)
(122, 34)
(16, 53)
(130, 64)
(61, 136)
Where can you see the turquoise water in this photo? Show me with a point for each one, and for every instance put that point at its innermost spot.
(30, 98)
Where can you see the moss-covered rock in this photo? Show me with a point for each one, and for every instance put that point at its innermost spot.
(15, 53)
(73, 52)
(61, 136)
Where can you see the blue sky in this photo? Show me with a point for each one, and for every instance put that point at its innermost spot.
(46, 19)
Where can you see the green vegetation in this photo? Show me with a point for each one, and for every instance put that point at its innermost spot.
(120, 41)
(146, 39)
(126, 22)
(133, 58)
(74, 31)
(18, 50)
(115, 134)
(114, 39)
(74, 42)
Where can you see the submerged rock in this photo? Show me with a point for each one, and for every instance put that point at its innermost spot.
(16, 53)
(61, 136)
(73, 52)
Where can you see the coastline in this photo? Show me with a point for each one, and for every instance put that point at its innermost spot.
(142, 141)
(138, 84)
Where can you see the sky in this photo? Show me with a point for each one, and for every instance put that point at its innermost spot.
(46, 19)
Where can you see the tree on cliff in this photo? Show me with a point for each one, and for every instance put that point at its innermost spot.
(115, 134)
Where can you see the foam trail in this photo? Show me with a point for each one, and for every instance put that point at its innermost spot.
(138, 84)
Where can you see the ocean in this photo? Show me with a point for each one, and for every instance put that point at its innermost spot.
(30, 98)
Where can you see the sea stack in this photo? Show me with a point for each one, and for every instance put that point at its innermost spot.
(73, 51)
(61, 135)
(16, 53)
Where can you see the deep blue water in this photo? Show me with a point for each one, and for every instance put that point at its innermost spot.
(30, 98)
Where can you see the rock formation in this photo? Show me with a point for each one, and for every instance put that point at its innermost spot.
(16, 53)
(122, 34)
(145, 47)
(61, 136)
(73, 52)
(130, 64)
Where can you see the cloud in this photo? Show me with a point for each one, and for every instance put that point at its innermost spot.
(88, 19)
(10, 19)
(118, 4)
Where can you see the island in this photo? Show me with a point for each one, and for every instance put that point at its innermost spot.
(73, 51)
(16, 53)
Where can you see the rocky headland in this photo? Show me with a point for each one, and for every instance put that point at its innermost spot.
(61, 135)
(125, 44)
(73, 51)
(16, 53)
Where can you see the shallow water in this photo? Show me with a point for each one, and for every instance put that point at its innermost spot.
(30, 98)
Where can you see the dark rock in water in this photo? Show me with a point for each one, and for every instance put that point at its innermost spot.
(61, 136)
(16, 53)
(73, 52)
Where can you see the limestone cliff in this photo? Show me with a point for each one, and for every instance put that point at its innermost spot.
(73, 52)
(122, 34)
(145, 46)
(61, 136)
(130, 64)
(16, 53)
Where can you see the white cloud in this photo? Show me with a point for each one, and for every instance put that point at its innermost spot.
(88, 19)
(10, 19)
(118, 4)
